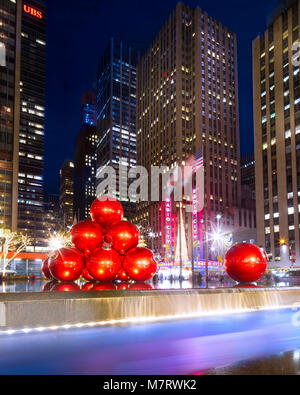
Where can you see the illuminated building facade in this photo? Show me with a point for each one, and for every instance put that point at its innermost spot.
(116, 110)
(22, 101)
(187, 101)
(88, 109)
(277, 137)
(86, 159)
(66, 197)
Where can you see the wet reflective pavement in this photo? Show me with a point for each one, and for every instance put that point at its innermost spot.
(180, 347)
(283, 364)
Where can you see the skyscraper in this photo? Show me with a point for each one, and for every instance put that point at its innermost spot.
(116, 110)
(85, 159)
(277, 137)
(187, 101)
(66, 196)
(22, 74)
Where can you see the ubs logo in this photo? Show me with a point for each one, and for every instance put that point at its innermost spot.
(32, 11)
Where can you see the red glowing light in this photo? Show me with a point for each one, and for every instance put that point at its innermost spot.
(32, 11)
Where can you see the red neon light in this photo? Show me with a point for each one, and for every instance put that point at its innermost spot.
(32, 11)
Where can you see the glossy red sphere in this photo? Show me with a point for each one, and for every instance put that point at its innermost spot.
(245, 263)
(106, 211)
(86, 275)
(123, 236)
(68, 265)
(87, 236)
(122, 275)
(65, 287)
(104, 287)
(103, 265)
(45, 269)
(139, 264)
(140, 286)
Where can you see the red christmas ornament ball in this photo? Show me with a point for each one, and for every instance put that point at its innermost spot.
(122, 275)
(103, 265)
(45, 269)
(87, 236)
(106, 211)
(245, 263)
(86, 275)
(139, 264)
(123, 236)
(68, 265)
(65, 287)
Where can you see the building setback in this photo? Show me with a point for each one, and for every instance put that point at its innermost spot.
(86, 159)
(187, 100)
(22, 101)
(116, 111)
(277, 137)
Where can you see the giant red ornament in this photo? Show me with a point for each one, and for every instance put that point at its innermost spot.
(87, 236)
(123, 236)
(86, 275)
(139, 264)
(106, 211)
(103, 265)
(122, 275)
(68, 265)
(245, 263)
(45, 269)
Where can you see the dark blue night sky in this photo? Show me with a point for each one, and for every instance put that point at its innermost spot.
(78, 32)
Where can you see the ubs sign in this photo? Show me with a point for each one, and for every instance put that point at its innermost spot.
(32, 11)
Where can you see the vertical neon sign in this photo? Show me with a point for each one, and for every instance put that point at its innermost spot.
(168, 205)
(195, 225)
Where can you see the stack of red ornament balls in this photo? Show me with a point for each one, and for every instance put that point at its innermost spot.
(105, 249)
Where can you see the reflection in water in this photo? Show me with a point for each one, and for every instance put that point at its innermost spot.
(181, 347)
(43, 286)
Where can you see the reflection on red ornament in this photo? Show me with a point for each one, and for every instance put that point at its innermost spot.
(68, 265)
(103, 265)
(87, 286)
(87, 236)
(106, 211)
(123, 286)
(245, 263)
(140, 286)
(48, 286)
(104, 287)
(123, 236)
(65, 287)
(139, 264)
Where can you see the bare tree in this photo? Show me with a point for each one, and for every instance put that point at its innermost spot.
(11, 245)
